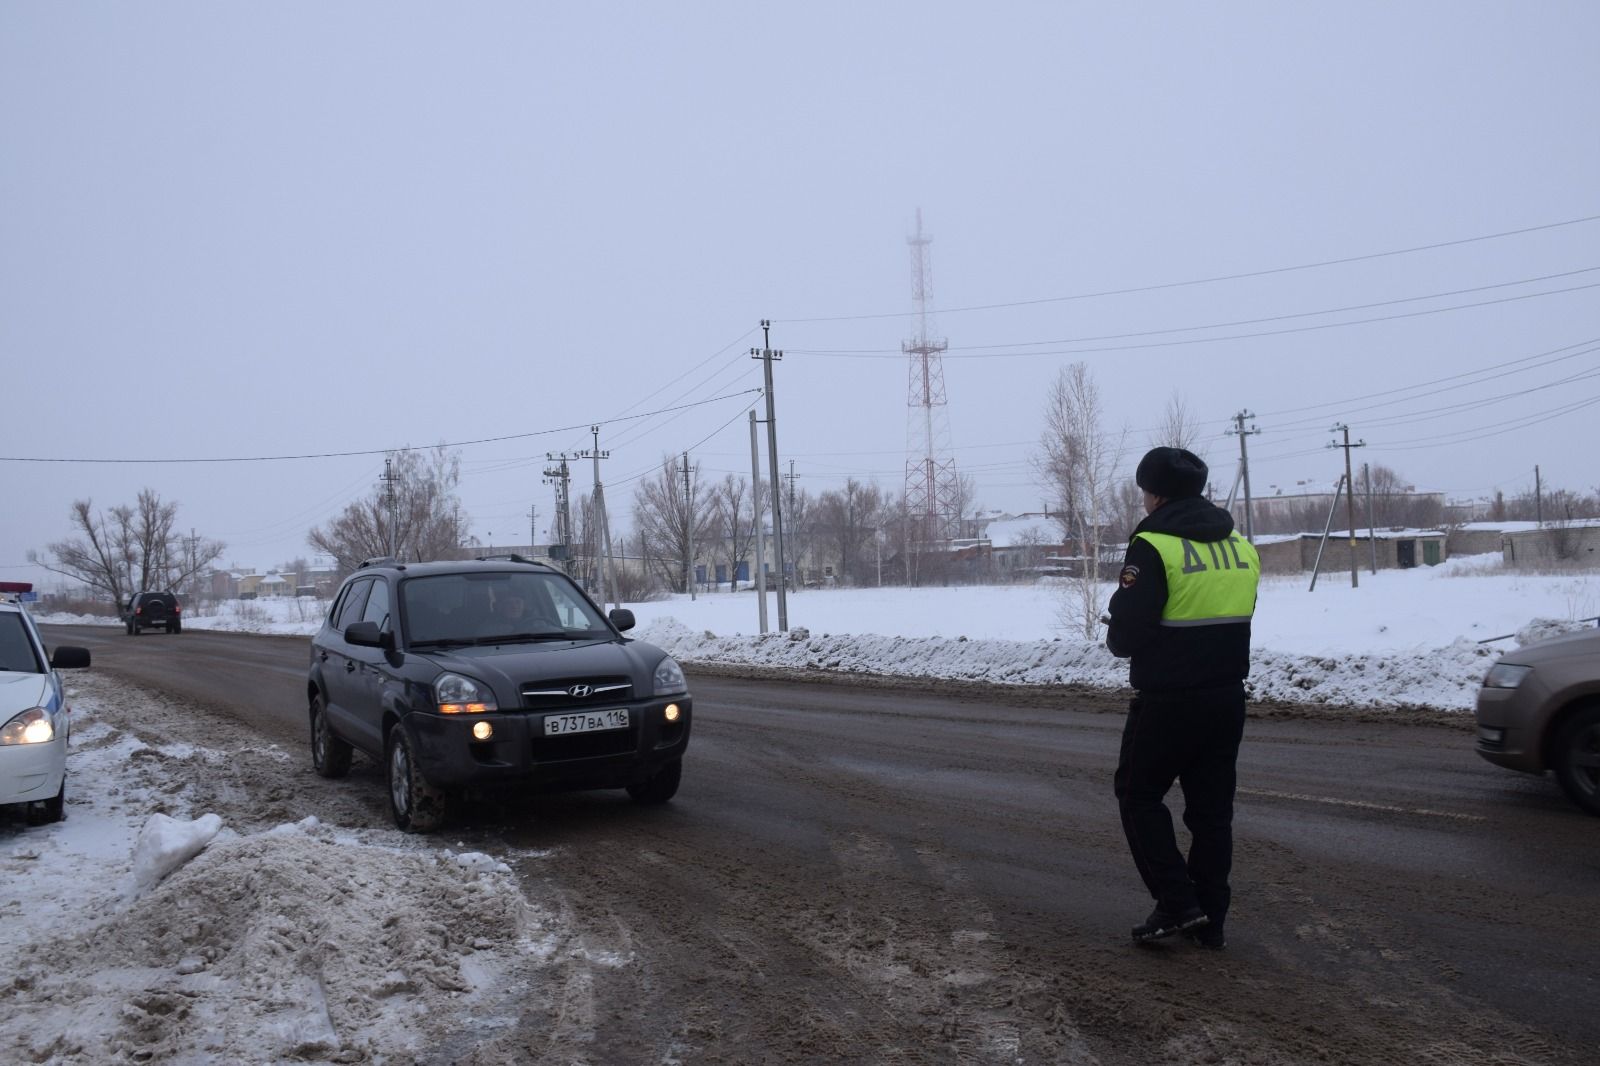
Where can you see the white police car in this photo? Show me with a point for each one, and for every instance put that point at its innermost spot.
(34, 721)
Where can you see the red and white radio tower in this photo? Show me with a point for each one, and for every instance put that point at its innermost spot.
(932, 492)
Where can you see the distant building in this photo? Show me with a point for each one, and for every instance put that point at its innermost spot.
(1574, 544)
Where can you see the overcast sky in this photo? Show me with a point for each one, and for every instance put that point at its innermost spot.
(246, 231)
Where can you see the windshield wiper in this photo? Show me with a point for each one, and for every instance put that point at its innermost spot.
(524, 638)
(446, 642)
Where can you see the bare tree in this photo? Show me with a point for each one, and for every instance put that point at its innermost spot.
(733, 518)
(1177, 429)
(129, 548)
(589, 544)
(667, 516)
(417, 515)
(847, 521)
(1079, 459)
(1396, 503)
(1127, 507)
(799, 531)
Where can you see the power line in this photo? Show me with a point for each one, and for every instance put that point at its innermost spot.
(1239, 322)
(1239, 336)
(379, 451)
(652, 469)
(1213, 279)
(1440, 381)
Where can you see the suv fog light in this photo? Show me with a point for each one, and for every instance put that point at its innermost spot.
(671, 713)
(1491, 736)
(482, 730)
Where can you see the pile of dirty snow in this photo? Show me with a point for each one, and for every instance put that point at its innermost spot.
(144, 930)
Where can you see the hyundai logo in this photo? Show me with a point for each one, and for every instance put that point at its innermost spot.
(578, 692)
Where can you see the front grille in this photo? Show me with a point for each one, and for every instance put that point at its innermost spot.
(586, 745)
(556, 694)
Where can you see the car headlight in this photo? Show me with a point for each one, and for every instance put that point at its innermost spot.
(461, 695)
(33, 726)
(669, 679)
(1505, 675)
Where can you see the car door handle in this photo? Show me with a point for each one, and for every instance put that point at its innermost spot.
(349, 666)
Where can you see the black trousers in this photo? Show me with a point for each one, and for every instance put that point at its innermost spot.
(1192, 738)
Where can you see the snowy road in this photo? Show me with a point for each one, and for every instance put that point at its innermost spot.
(863, 873)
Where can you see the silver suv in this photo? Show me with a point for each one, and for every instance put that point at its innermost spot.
(1539, 709)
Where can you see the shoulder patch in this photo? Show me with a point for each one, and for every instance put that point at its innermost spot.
(1130, 574)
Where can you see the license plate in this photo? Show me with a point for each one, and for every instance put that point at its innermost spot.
(585, 722)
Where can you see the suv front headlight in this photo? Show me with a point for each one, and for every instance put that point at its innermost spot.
(461, 695)
(1505, 675)
(669, 679)
(33, 726)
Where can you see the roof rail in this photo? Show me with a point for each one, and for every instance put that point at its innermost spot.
(378, 560)
(512, 557)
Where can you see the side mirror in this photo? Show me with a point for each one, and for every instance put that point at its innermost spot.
(368, 635)
(69, 658)
(622, 618)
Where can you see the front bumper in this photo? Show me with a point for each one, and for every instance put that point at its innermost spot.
(519, 755)
(32, 772)
(1509, 730)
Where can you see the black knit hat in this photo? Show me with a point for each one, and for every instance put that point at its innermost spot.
(1171, 473)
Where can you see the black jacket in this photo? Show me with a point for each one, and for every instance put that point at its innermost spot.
(1165, 658)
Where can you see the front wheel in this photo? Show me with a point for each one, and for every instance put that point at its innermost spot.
(417, 806)
(330, 756)
(660, 786)
(52, 810)
(1577, 759)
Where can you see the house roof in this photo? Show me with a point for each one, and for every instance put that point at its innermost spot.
(1533, 528)
(1382, 534)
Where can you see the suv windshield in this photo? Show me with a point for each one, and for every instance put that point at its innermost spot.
(479, 608)
(16, 649)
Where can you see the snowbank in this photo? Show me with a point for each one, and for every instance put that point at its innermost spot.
(1421, 637)
(259, 942)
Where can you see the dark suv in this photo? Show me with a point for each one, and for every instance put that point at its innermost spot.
(467, 676)
(153, 610)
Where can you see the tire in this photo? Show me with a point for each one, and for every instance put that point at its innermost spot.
(417, 806)
(330, 756)
(133, 630)
(1576, 758)
(660, 786)
(174, 627)
(50, 811)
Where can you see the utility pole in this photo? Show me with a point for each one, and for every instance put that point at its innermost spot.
(1350, 496)
(533, 529)
(1244, 470)
(688, 530)
(755, 509)
(767, 356)
(391, 503)
(600, 516)
(1538, 497)
(560, 476)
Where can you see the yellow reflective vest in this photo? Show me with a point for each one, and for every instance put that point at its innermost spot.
(1208, 582)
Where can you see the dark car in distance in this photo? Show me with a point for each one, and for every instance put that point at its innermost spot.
(469, 677)
(153, 610)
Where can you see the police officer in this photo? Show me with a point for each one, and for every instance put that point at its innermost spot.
(1181, 616)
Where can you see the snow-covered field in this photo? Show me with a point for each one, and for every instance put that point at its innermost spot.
(1404, 638)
